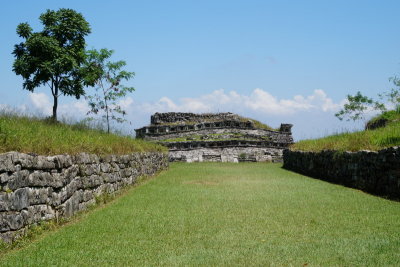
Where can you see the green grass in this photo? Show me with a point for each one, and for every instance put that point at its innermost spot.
(33, 135)
(390, 116)
(257, 124)
(226, 215)
(260, 125)
(363, 140)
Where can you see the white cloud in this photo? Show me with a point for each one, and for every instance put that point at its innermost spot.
(258, 101)
(126, 102)
(77, 109)
(41, 102)
(312, 115)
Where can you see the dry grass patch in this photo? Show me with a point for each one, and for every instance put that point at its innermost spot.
(199, 182)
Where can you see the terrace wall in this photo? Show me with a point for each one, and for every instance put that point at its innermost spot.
(227, 154)
(254, 133)
(38, 188)
(374, 172)
(161, 130)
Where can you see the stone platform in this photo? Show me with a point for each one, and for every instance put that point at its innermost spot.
(225, 137)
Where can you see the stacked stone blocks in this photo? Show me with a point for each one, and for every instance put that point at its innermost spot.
(225, 137)
(39, 188)
(376, 172)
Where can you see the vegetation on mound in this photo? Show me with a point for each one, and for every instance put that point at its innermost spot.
(384, 118)
(363, 140)
(221, 214)
(33, 135)
(216, 137)
(381, 132)
(257, 124)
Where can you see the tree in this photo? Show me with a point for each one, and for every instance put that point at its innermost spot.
(393, 96)
(108, 77)
(54, 56)
(356, 107)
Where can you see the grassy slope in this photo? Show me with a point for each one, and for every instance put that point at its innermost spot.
(227, 215)
(37, 136)
(363, 140)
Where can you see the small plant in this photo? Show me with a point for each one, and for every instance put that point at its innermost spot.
(357, 106)
(109, 89)
(242, 156)
(393, 96)
(104, 198)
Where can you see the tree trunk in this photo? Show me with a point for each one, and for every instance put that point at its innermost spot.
(107, 116)
(55, 104)
(108, 122)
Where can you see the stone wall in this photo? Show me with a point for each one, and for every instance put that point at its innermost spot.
(158, 131)
(227, 154)
(261, 134)
(374, 172)
(37, 188)
(222, 137)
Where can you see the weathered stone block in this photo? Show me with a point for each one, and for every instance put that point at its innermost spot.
(82, 158)
(6, 162)
(89, 169)
(70, 173)
(105, 167)
(11, 221)
(5, 202)
(19, 199)
(87, 195)
(18, 179)
(43, 163)
(39, 195)
(72, 204)
(39, 213)
(62, 161)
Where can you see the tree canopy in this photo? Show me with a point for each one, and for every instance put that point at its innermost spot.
(55, 55)
(359, 104)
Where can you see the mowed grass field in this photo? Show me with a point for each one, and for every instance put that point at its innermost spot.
(213, 214)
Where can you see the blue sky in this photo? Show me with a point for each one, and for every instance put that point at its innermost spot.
(275, 61)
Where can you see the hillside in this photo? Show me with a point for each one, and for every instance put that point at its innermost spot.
(370, 139)
(33, 135)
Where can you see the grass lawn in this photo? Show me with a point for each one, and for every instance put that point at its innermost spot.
(214, 214)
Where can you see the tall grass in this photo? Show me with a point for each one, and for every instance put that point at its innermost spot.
(40, 136)
(363, 140)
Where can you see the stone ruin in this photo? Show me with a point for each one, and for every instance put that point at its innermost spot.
(223, 137)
